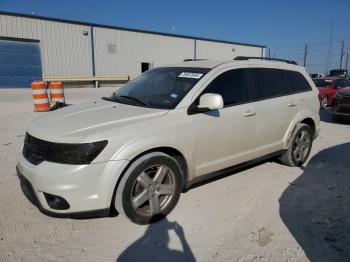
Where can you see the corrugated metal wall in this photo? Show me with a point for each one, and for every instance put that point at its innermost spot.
(224, 51)
(133, 48)
(67, 52)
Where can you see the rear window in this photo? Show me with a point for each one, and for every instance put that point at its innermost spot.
(268, 82)
(323, 82)
(297, 81)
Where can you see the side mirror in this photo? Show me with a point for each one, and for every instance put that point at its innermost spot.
(209, 102)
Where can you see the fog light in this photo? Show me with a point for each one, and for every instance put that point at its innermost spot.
(56, 202)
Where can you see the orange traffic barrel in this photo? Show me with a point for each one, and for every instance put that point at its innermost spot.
(41, 99)
(56, 92)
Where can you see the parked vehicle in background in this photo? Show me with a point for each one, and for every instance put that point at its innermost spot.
(169, 128)
(344, 73)
(327, 87)
(316, 75)
(341, 104)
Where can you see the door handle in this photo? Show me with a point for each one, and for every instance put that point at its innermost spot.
(249, 113)
(291, 104)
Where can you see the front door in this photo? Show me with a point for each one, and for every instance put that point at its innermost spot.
(225, 137)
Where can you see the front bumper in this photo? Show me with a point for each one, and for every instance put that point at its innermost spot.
(86, 188)
(339, 108)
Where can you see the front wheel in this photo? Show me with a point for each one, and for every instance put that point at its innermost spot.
(336, 118)
(149, 189)
(299, 148)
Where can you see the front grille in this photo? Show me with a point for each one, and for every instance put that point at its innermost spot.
(346, 100)
(344, 110)
(35, 150)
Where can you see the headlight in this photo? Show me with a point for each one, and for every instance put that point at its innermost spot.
(75, 154)
(339, 95)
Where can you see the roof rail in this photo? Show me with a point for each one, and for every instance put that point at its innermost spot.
(189, 59)
(265, 58)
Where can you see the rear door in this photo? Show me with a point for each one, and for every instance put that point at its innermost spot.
(276, 106)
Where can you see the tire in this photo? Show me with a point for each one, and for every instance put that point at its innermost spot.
(324, 102)
(299, 148)
(336, 118)
(150, 188)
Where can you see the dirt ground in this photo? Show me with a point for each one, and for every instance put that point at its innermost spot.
(268, 212)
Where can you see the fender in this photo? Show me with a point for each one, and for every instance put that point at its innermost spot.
(136, 147)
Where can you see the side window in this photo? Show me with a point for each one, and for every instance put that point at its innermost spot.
(337, 83)
(268, 82)
(347, 83)
(343, 83)
(297, 81)
(232, 85)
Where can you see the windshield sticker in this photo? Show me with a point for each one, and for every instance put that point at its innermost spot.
(190, 75)
(173, 95)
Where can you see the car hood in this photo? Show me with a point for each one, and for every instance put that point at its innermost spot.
(73, 124)
(345, 91)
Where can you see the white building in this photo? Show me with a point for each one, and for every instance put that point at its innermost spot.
(33, 47)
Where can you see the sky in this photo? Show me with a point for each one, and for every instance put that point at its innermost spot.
(284, 26)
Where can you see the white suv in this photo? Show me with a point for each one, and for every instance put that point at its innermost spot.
(169, 128)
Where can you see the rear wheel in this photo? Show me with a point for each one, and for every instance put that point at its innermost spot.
(149, 189)
(299, 148)
(324, 102)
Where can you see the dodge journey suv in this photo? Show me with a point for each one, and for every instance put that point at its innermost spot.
(169, 128)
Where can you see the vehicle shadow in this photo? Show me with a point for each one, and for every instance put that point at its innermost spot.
(316, 206)
(153, 245)
(326, 116)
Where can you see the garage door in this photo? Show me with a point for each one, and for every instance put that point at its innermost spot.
(20, 63)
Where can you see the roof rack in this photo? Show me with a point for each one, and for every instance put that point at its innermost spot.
(265, 58)
(189, 59)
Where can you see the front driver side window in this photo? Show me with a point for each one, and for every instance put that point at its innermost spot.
(232, 85)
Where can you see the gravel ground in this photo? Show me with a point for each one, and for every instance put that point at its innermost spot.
(268, 212)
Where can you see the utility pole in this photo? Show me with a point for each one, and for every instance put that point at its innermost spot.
(305, 55)
(269, 53)
(346, 60)
(329, 51)
(341, 54)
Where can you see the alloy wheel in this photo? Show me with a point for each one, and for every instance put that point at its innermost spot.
(324, 102)
(153, 190)
(301, 146)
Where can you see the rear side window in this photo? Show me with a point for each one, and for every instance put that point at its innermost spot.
(297, 81)
(232, 85)
(268, 82)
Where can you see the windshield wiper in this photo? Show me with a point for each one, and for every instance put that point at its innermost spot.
(135, 99)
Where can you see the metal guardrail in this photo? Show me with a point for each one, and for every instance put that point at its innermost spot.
(86, 78)
(95, 79)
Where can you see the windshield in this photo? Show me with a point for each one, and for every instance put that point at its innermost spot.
(340, 73)
(160, 87)
(323, 82)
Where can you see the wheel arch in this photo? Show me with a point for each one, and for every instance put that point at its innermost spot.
(304, 117)
(311, 123)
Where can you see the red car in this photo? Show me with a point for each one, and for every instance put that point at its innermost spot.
(328, 87)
